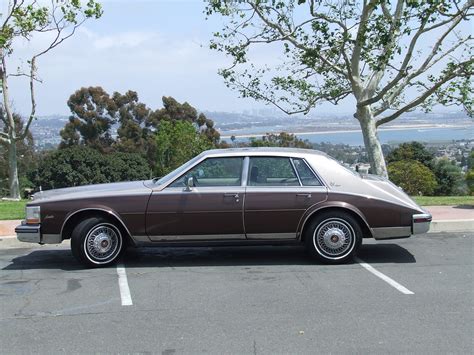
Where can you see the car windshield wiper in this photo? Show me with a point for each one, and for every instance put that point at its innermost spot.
(156, 178)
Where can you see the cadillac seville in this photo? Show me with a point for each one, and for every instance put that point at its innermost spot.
(244, 196)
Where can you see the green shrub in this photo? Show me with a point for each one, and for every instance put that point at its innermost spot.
(80, 165)
(413, 177)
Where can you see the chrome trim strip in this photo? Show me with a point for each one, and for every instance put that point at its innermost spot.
(287, 189)
(271, 236)
(94, 209)
(158, 238)
(391, 232)
(245, 171)
(295, 171)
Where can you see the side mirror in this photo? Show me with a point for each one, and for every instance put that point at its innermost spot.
(189, 184)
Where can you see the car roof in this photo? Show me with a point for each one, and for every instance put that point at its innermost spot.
(257, 151)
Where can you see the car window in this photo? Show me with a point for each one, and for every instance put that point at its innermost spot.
(307, 177)
(271, 171)
(213, 172)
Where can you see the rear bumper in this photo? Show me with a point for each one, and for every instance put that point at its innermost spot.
(31, 233)
(421, 223)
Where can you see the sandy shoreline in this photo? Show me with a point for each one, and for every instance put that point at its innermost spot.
(391, 128)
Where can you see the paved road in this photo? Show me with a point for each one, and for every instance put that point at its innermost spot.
(254, 300)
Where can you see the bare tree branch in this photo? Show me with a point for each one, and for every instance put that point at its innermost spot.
(289, 38)
(425, 95)
(422, 30)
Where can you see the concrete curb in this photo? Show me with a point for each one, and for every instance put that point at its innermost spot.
(453, 225)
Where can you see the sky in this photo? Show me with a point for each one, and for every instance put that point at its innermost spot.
(154, 47)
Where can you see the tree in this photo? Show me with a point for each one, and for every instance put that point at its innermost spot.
(412, 176)
(93, 114)
(449, 178)
(26, 20)
(280, 140)
(174, 111)
(176, 143)
(76, 166)
(391, 57)
(412, 151)
(27, 158)
(470, 181)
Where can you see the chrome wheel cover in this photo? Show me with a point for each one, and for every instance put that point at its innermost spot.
(102, 243)
(334, 238)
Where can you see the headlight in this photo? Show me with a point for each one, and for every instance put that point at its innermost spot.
(33, 214)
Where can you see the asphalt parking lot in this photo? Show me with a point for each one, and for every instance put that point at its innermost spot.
(412, 296)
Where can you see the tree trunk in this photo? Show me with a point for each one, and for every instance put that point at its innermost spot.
(371, 141)
(13, 171)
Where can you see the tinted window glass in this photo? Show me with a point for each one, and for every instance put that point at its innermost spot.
(306, 175)
(270, 171)
(214, 172)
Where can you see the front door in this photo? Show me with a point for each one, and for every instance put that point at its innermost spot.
(276, 196)
(209, 210)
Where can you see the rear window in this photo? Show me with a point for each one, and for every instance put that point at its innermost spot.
(306, 175)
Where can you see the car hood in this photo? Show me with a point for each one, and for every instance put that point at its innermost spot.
(90, 191)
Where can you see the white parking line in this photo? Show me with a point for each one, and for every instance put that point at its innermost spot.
(384, 277)
(123, 285)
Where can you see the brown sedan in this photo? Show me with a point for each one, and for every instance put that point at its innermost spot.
(228, 197)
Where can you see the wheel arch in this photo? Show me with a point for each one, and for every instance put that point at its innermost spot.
(75, 217)
(351, 210)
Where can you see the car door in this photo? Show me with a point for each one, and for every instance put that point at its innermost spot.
(276, 196)
(209, 210)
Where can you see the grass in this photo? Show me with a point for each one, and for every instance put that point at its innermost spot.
(12, 209)
(444, 200)
(16, 209)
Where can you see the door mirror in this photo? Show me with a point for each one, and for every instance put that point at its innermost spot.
(189, 184)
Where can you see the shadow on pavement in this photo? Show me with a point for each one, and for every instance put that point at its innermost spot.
(209, 256)
(45, 259)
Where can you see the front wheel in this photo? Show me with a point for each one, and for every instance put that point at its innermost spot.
(96, 242)
(333, 237)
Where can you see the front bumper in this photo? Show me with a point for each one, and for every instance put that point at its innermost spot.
(421, 223)
(28, 233)
(31, 233)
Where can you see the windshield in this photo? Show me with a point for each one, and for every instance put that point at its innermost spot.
(178, 171)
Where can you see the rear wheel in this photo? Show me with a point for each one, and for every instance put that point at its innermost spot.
(96, 242)
(333, 237)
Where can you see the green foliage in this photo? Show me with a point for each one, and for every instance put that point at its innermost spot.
(92, 118)
(27, 159)
(94, 112)
(470, 181)
(27, 18)
(411, 151)
(449, 177)
(280, 140)
(75, 166)
(412, 176)
(176, 143)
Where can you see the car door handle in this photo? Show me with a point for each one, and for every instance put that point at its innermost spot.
(304, 195)
(231, 194)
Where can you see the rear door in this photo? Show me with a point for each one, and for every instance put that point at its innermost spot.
(277, 196)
